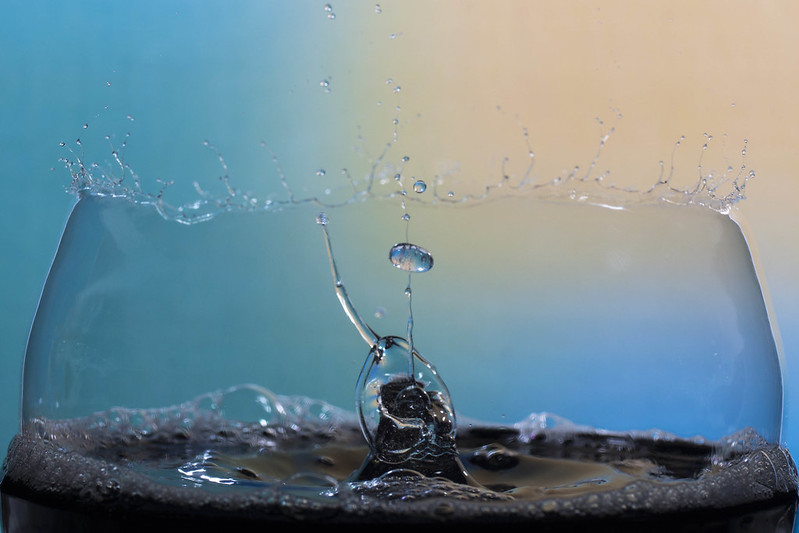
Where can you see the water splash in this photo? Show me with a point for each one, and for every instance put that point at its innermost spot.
(404, 407)
(718, 191)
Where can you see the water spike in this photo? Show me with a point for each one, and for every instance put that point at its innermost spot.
(363, 328)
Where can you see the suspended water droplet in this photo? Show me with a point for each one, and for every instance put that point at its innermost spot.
(451, 194)
(397, 89)
(410, 257)
(321, 172)
(405, 159)
(406, 217)
(378, 9)
(322, 219)
(85, 125)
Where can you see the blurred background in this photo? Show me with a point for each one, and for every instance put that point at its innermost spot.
(325, 86)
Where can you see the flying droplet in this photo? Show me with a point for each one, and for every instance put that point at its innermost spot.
(419, 186)
(378, 9)
(410, 257)
(321, 172)
(322, 219)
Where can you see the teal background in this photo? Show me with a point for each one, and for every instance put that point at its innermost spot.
(186, 72)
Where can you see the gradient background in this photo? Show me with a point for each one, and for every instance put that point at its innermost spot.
(472, 76)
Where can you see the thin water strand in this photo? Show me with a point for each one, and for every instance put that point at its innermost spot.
(360, 324)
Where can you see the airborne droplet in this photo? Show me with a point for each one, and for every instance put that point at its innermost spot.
(420, 186)
(410, 258)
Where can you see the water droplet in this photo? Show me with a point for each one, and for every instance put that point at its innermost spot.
(320, 172)
(328, 8)
(405, 159)
(451, 194)
(406, 217)
(419, 186)
(85, 125)
(397, 89)
(322, 219)
(395, 121)
(378, 9)
(108, 84)
(389, 81)
(410, 257)
(62, 143)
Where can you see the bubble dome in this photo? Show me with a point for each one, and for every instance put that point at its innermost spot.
(644, 317)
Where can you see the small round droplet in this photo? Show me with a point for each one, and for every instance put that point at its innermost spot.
(451, 194)
(321, 172)
(378, 9)
(322, 219)
(405, 159)
(406, 217)
(419, 186)
(410, 257)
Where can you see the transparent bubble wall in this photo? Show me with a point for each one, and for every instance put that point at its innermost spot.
(612, 309)
(649, 317)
